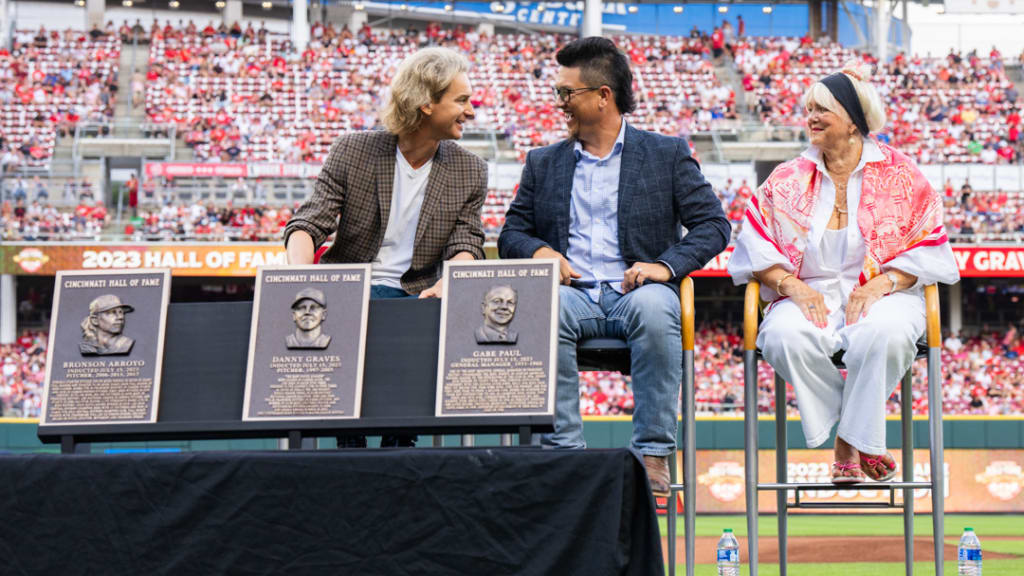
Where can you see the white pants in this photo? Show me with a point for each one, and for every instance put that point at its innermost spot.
(879, 350)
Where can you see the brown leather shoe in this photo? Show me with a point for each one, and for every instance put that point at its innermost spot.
(658, 474)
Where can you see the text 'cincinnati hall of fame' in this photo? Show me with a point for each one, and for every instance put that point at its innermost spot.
(499, 338)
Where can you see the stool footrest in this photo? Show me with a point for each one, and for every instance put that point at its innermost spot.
(887, 486)
(834, 506)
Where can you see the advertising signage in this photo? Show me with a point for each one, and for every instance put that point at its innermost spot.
(242, 258)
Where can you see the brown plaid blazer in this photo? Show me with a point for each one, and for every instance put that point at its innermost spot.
(352, 198)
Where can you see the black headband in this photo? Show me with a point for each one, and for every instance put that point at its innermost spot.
(842, 88)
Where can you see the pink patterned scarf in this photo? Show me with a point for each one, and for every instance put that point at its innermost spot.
(898, 209)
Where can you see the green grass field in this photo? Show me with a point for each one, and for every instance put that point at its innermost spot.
(987, 526)
(992, 568)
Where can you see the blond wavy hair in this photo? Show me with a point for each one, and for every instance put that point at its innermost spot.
(420, 80)
(860, 74)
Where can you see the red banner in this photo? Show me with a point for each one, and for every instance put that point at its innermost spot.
(973, 261)
(990, 261)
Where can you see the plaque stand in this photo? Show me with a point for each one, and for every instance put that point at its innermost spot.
(203, 384)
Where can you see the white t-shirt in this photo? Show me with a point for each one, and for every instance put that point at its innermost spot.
(395, 255)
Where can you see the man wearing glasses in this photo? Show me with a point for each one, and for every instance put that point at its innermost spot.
(608, 202)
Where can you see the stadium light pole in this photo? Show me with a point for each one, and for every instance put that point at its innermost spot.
(882, 30)
(3, 23)
(8, 308)
(300, 24)
(591, 19)
(94, 13)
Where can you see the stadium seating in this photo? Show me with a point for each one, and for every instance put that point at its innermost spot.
(22, 370)
(253, 99)
(52, 82)
(956, 109)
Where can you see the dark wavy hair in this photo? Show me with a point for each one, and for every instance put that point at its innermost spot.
(601, 63)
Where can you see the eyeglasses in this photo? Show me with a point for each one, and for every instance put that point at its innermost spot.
(565, 94)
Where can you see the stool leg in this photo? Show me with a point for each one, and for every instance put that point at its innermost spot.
(938, 472)
(750, 452)
(907, 421)
(689, 461)
(670, 516)
(781, 496)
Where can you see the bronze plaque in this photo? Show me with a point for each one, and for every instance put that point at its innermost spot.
(307, 342)
(499, 338)
(106, 347)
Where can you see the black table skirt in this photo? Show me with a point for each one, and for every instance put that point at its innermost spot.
(391, 512)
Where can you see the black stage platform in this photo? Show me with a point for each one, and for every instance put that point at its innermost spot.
(485, 512)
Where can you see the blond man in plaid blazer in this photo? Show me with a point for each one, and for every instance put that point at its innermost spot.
(405, 199)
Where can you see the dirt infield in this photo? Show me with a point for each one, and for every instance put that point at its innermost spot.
(830, 549)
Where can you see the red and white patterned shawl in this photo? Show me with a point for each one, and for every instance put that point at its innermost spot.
(898, 211)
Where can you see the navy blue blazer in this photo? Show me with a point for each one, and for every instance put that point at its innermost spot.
(660, 188)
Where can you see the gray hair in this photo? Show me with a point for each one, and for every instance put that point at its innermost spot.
(422, 78)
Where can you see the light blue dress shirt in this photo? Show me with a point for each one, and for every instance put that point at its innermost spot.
(594, 221)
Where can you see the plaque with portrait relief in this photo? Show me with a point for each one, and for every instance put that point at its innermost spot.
(307, 342)
(106, 347)
(499, 338)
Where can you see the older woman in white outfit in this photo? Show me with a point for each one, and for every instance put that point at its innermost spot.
(843, 239)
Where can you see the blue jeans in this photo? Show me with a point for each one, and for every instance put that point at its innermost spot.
(381, 291)
(648, 319)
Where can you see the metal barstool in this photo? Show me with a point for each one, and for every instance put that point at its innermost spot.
(612, 354)
(931, 351)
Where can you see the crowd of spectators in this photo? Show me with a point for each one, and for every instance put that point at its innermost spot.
(244, 94)
(248, 95)
(210, 222)
(983, 216)
(961, 108)
(50, 81)
(35, 220)
(241, 93)
(981, 374)
(22, 371)
(776, 72)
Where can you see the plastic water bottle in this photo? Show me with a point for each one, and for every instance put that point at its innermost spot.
(729, 554)
(968, 555)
